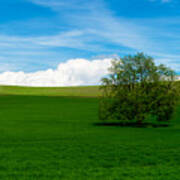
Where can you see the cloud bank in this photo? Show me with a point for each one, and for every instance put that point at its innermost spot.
(74, 72)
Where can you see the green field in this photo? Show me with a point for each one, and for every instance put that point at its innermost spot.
(46, 136)
(83, 91)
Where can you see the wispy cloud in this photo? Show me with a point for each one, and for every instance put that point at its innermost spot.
(90, 27)
(93, 28)
(100, 25)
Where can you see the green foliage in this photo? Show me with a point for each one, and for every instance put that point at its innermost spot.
(136, 89)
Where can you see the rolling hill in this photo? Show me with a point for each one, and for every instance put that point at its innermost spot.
(51, 133)
(80, 91)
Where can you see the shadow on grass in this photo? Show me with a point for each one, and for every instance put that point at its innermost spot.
(130, 124)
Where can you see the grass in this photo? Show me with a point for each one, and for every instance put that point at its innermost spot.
(46, 137)
(82, 91)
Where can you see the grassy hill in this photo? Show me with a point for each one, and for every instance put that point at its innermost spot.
(47, 136)
(80, 91)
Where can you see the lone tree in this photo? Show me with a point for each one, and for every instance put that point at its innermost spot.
(137, 90)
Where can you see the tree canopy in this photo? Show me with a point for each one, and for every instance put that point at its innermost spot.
(138, 90)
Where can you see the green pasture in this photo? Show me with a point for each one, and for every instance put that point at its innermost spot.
(81, 91)
(44, 135)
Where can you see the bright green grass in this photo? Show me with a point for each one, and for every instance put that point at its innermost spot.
(47, 137)
(88, 91)
(54, 138)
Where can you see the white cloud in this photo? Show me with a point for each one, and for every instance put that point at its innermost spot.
(92, 29)
(74, 72)
(64, 5)
(169, 63)
(95, 23)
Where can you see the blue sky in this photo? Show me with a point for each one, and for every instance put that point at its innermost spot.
(40, 34)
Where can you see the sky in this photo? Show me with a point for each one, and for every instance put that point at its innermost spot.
(39, 38)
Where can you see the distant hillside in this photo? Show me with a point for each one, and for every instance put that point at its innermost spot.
(81, 91)
(77, 91)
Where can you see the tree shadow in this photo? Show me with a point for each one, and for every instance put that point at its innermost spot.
(130, 124)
